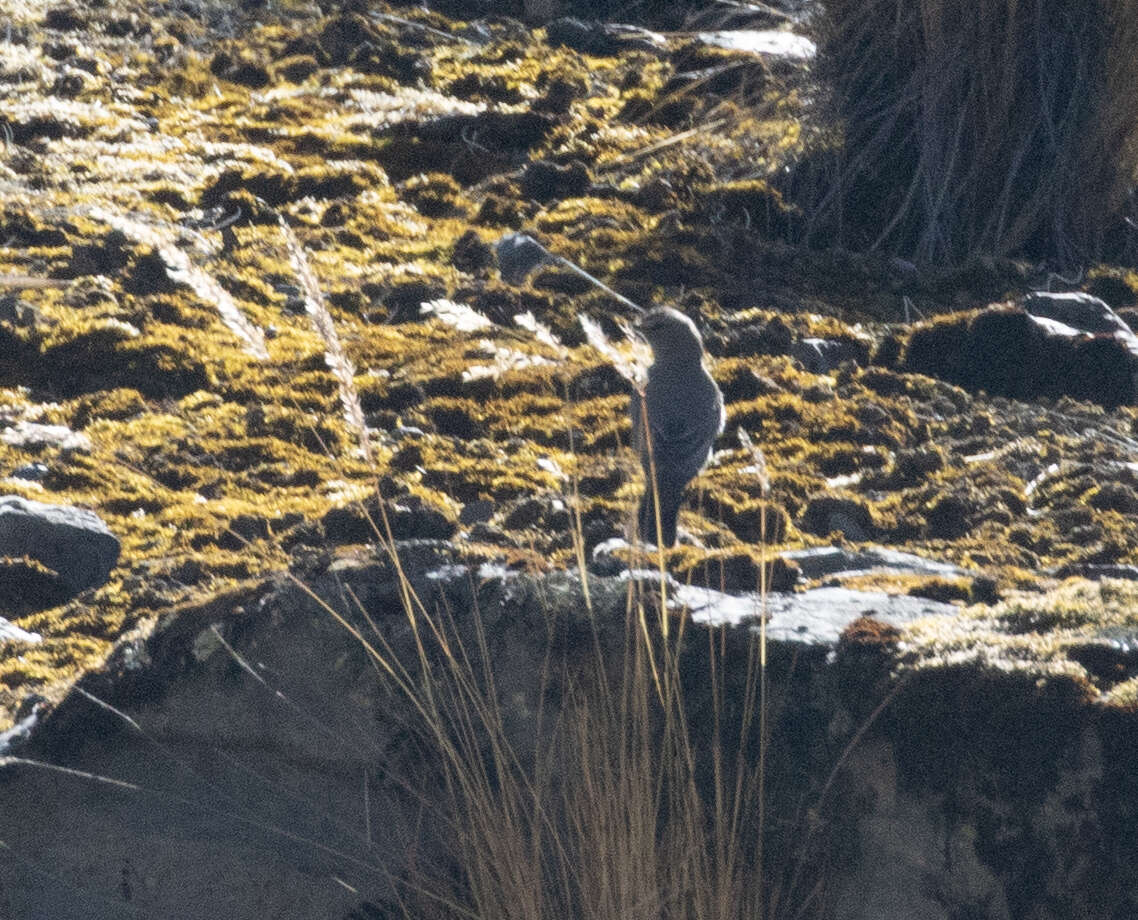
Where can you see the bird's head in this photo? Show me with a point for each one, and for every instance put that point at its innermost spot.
(672, 335)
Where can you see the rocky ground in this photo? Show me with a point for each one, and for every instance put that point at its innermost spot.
(152, 310)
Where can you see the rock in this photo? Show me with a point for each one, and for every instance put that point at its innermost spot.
(27, 586)
(34, 436)
(1022, 355)
(1082, 313)
(819, 561)
(812, 618)
(544, 181)
(72, 542)
(30, 472)
(518, 255)
(825, 514)
(896, 844)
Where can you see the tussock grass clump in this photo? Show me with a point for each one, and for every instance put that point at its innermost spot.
(982, 127)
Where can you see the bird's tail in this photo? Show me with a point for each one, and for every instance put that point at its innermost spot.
(670, 498)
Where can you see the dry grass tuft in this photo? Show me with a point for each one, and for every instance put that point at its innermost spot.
(981, 128)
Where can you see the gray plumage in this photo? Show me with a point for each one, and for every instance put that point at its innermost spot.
(685, 414)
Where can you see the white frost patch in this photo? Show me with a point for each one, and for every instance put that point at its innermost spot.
(774, 42)
(33, 434)
(381, 110)
(1054, 327)
(10, 632)
(449, 572)
(815, 617)
(458, 315)
(491, 570)
(540, 331)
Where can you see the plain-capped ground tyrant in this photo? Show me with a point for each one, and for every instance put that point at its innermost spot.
(685, 414)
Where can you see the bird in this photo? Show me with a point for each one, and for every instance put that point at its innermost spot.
(684, 409)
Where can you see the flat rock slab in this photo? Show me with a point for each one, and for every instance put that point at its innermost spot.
(72, 542)
(818, 561)
(815, 617)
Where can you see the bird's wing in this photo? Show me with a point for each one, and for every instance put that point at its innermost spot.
(681, 441)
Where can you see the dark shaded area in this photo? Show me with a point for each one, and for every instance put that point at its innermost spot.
(1006, 353)
(980, 129)
(657, 14)
(26, 587)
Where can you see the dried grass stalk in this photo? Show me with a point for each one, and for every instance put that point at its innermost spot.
(338, 362)
(182, 269)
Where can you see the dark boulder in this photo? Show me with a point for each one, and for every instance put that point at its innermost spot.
(73, 543)
(1056, 345)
